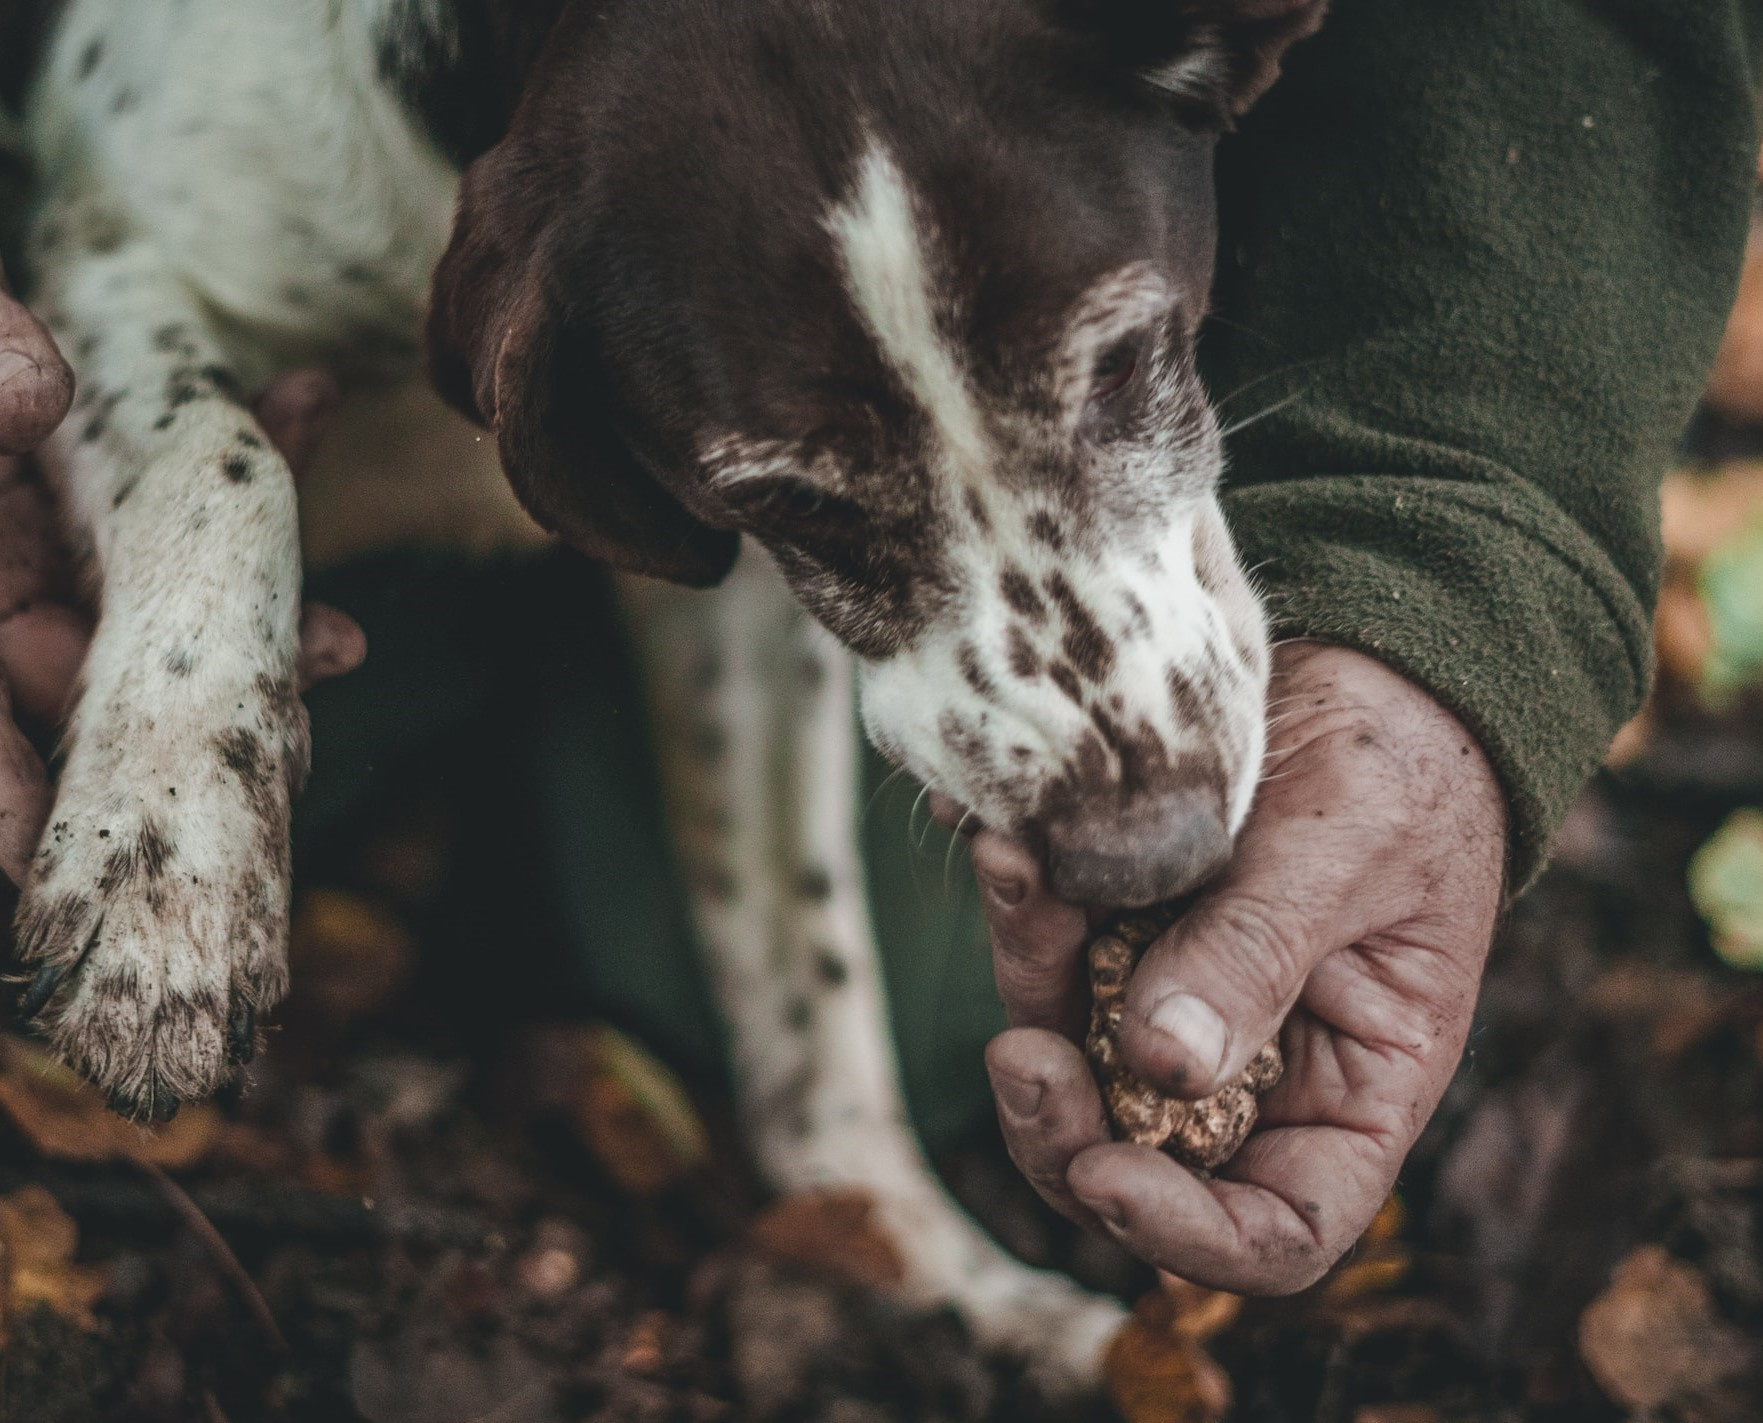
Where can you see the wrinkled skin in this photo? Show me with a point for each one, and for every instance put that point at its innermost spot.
(43, 631)
(1357, 911)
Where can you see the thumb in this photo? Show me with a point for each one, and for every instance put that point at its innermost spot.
(1220, 983)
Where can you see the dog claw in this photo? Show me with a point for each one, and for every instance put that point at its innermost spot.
(158, 1109)
(242, 1034)
(42, 988)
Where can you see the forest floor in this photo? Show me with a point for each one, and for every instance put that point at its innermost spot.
(384, 1229)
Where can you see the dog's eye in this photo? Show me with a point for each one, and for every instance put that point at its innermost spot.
(792, 499)
(796, 510)
(1114, 372)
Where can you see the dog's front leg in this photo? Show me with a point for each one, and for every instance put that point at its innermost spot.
(155, 916)
(756, 728)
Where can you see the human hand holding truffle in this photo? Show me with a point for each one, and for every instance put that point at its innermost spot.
(1357, 912)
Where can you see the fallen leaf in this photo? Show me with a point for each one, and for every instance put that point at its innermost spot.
(635, 1116)
(1377, 1275)
(348, 955)
(1654, 1336)
(37, 1244)
(1157, 1374)
(645, 1351)
(1683, 638)
(1726, 884)
(1702, 509)
(1199, 1313)
(1378, 1263)
(1378, 1316)
(834, 1231)
(1735, 386)
(65, 1118)
(1680, 1010)
(1633, 737)
(1397, 1413)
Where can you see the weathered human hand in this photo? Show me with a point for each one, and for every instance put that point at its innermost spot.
(1357, 912)
(43, 631)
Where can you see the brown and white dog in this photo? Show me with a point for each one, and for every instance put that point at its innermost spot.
(903, 294)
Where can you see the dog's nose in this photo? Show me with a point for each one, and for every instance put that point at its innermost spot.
(1156, 850)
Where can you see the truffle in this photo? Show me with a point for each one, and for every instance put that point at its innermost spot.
(1203, 1134)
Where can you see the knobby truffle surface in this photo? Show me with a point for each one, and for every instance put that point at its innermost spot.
(1203, 1134)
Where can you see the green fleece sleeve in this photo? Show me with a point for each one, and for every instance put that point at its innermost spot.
(1476, 259)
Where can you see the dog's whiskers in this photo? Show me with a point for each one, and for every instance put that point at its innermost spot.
(888, 783)
(913, 839)
(954, 840)
(1236, 427)
(1261, 380)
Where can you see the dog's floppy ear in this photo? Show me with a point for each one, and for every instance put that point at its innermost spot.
(1215, 57)
(504, 350)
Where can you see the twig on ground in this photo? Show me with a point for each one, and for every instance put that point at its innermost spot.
(204, 1228)
(283, 1212)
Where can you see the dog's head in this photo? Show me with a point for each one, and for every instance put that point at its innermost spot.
(907, 291)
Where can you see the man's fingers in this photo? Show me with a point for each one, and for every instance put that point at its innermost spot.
(25, 796)
(331, 644)
(41, 652)
(1037, 940)
(1048, 1108)
(294, 413)
(36, 386)
(1291, 1204)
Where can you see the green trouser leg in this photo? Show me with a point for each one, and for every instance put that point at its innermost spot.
(507, 693)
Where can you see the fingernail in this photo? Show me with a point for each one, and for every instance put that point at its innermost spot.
(1008, 892)
(1196, 1028)
(1018, 1096)
(15, 363)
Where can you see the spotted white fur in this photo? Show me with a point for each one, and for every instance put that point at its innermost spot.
(233, 191)
(754, 713)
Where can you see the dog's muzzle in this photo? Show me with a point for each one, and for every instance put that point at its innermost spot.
(1152, 850)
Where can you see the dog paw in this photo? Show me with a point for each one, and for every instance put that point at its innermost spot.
(1057, 1330)
(154, 924)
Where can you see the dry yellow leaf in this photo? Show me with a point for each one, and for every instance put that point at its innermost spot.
(635, 1116)
(37, 1244)
(65, 1118)
(1157, 1374)
(348, 954)
(1379, 1262)
(1197, 1312)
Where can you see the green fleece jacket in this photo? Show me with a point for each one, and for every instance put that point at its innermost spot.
(1477, 256)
